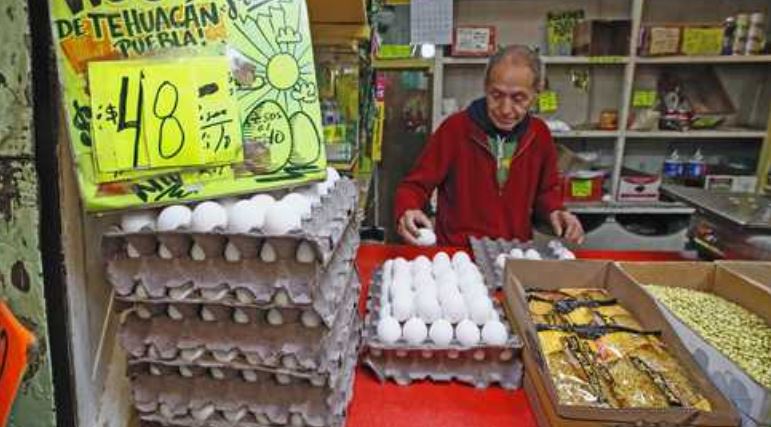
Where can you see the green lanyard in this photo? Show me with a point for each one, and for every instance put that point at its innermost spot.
(504, 151)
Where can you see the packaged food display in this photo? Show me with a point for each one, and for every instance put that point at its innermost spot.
(598, 354)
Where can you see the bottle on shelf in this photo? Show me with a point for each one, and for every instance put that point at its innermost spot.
(729, 28)
(695, 170)
(674, 168)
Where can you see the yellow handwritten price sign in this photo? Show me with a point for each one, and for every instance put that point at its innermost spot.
(187, 86)
(548, 102)
(643, 98)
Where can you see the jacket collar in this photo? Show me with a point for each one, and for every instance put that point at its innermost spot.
(480, 137)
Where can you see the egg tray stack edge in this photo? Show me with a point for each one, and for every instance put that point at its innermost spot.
(170, 399)
(246, 283)
(480, 366)
(323, 229)
(288, 348)
(486, 251)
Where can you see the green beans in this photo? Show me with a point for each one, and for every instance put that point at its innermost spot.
(742, 336)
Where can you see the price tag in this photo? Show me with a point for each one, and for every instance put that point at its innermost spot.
(581, 188)
(548, 101)
(643, 98)
(394, 51)
(162, 114)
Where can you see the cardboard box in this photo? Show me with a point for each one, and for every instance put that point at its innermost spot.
(582, 186)
(639, 188)
(752, 399)
(732, 183)
(658, 40)
(601, 37)
(757, 271)
(702, 40)
(554, 275)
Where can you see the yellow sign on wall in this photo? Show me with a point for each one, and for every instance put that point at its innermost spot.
(161, 93)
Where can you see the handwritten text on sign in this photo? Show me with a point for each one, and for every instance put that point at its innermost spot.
(163, 114)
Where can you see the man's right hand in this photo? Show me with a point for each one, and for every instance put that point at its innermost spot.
(409, 223)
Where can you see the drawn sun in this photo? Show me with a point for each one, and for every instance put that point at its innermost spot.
(279, 80)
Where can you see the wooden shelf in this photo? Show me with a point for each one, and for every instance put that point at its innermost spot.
(585, 134)
(555, 60)
(402, 64)
(629, 208)
(699, 134)
(716, 59)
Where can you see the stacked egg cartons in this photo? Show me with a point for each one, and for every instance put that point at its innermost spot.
(241, 313)
(491, 255)
(434, 319)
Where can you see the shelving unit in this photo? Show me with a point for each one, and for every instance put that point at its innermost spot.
(747, 79)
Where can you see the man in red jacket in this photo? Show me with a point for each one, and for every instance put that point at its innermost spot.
(494, 164)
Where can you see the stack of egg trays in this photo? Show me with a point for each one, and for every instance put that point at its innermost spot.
(215, 393)
(481, 365)
(162, 300)
(486, 251)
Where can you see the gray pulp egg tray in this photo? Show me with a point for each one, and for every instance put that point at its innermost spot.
(486, 250)
(290, 348)
(162, 396)
(323, 229)
(481, 365)
(246, 283)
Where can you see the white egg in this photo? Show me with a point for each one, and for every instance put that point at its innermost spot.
(245, 216)
(281, 218)
(428, 308)
(494, 333)
(268, 253)
(467, 333)
(453, 307)
(321, 188)
(263, 199)
(475, 290)
(274, 317)
(400, 263)
(332, 176)
(133, 222)
(415, 331)
(310, 319)
(403, 306)
(426, 237)
(500, 261)
(567, 255)
(132, 252)
(388, 330)
(555, 245)
(532, 254)
(441, 258)
(208, 216)
(164, 252)
(174, 218)
(311, 194)
(480, 309)
(421, 263)
(517, 253)
(305, 253)
(301, 204)
(228, 203)
(460, 258)
(197, 253)
(441, 332)
(232, 254)
(423, 280)
(427, 292)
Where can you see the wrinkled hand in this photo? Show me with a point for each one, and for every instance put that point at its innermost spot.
(567, 226)
(409, 223)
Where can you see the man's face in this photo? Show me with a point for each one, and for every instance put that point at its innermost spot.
(510, 92)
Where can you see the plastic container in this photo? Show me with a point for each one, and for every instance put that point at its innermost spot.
(696, 167)
(674, 168)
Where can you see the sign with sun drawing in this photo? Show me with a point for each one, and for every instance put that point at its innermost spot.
(168, 101)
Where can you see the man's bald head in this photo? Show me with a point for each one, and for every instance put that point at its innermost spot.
(516, 56)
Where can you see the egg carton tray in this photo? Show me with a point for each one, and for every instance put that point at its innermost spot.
(486, 251)
(290, 346)
(248, 283)
(203, 400)
(323, 229)
(480, 365)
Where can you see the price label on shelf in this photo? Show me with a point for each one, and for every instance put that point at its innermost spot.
(581, 188)
(162, 114)
(643, 98)
(548, 101)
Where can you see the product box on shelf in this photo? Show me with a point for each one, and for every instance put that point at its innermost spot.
(732, 183)
(638, 187)
(659, 40)
(750, 397)
(582, 186)
(522, 276)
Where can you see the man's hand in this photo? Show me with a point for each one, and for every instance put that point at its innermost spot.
(409, 223)
(567, 226)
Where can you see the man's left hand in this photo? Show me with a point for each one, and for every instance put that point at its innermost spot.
(567, 226)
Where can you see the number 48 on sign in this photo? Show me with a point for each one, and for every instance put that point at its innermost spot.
(162, 114)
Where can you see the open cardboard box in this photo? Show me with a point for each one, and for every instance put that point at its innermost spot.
(756, 271)
(722, 279)
(552, 275)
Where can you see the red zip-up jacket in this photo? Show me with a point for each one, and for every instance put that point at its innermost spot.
(458, 161)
